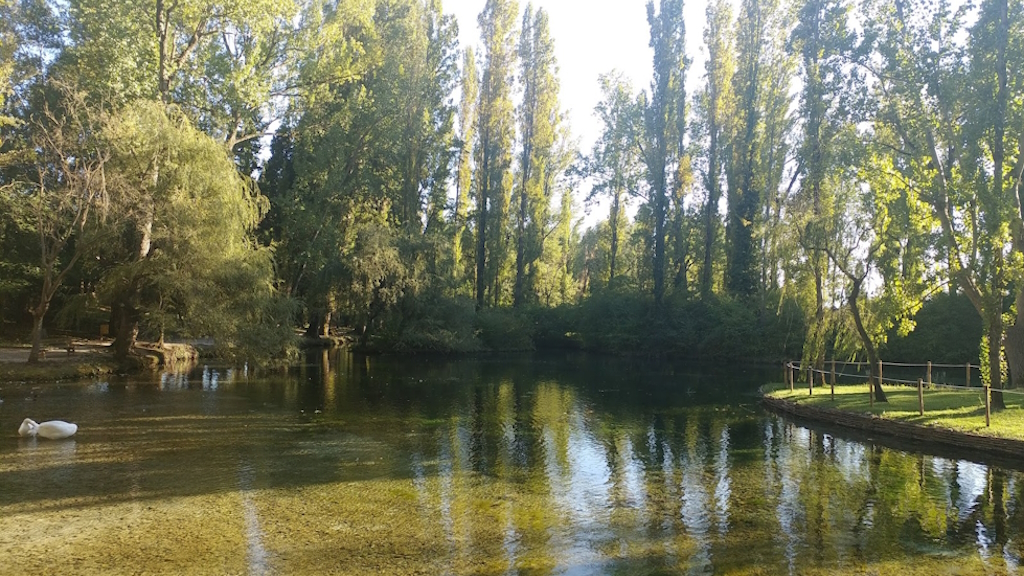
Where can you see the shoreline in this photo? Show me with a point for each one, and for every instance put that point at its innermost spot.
(89, 360)
(900, 431)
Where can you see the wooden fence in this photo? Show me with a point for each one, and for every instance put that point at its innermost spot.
(834, 369)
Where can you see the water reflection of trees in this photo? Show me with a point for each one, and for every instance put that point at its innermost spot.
(539, 467)
(660, 480)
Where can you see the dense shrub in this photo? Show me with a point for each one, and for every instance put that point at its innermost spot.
(948, 330)
(432, 324)
(504, 329)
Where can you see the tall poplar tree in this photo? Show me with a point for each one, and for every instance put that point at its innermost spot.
(496, 135)
(716, 106)
(757, 144)
(665, 121)
(539, 119)
(464, 178)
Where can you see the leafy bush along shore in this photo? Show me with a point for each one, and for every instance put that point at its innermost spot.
(624, 323)
(616, 324)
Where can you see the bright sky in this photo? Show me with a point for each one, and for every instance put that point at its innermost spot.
(593, 37)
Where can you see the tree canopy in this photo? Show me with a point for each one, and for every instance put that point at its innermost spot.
(239, 169)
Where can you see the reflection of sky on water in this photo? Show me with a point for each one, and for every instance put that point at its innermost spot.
(971, 480)
(723, 485)
(257, 557)
(696, 505)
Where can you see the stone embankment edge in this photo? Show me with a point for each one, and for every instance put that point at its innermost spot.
(899, 430)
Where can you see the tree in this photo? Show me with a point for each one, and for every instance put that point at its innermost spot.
(873, 222)
(65, 197)
(464, 178)
(996, 54)
(232, 66)
(823, 42)
(494, 145)
(715, 107)
(376, 151)
(420, 66)
(539, 118)
(184, 233)
(665, 121)
(615, 160)
(8, 47)
(758, 145)
(926, 102)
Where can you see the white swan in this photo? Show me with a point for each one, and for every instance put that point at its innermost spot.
(54, 429)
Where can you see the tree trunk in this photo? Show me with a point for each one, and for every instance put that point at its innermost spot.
(614, 222)
(127, 335)
(659, 240)
(124, 320)
(37, 336)
(866, 340)
(998, 159)
(481, 244)
(519, 292)
(995, 374)
(1015, 345)
(711, 208)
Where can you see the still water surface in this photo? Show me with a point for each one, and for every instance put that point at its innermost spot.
(553, 464)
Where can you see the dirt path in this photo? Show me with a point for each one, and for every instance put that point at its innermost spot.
(56, 352)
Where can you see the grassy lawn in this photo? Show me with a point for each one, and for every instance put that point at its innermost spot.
(961, 410)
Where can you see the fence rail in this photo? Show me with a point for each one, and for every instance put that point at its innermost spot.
(793, 368)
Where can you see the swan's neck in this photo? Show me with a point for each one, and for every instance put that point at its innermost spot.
(28, 427)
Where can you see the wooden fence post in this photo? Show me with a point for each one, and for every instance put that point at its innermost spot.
(879, 383)
(833, 379)
(810, 381)
(871, 388)
(929, 374)
(920, 397)
(968, 375)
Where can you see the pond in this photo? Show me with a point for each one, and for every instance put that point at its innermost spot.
(540, 464)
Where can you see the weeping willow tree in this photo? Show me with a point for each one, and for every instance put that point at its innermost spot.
(183, 257)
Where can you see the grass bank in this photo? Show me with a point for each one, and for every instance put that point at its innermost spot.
(961, 411)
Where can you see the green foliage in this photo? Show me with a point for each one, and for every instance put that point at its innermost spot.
(664, 125)
(185, 261)
(494, 147)
(620, 322)
(714, 107)
(898, 171)
(542, 159)
(615, 161)
(433, 322)
(758, 145)
(947, 330)
(504, 330)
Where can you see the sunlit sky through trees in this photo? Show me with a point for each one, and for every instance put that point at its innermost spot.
(592, 38)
